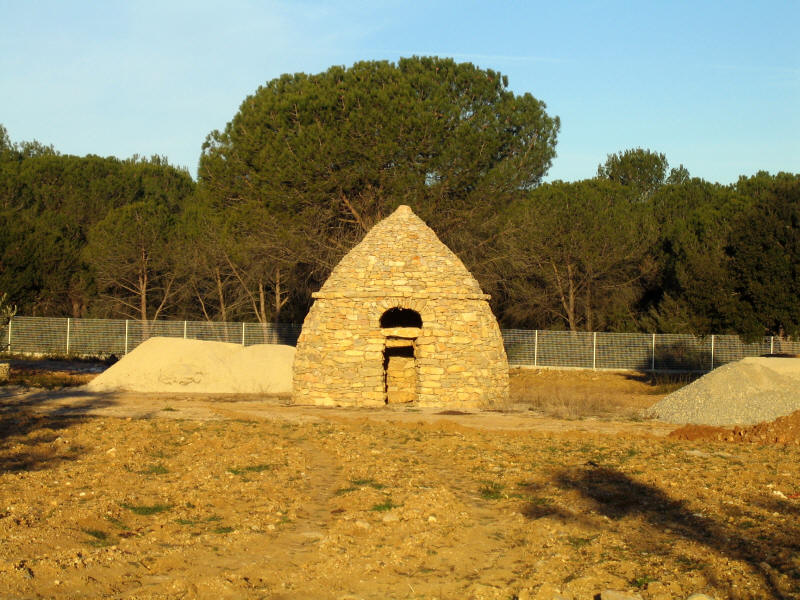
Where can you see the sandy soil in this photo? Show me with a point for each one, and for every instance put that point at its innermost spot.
(132, 496)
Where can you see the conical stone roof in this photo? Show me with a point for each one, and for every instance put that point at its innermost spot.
(401, 256)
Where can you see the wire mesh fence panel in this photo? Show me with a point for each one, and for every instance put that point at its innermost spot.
(566, 349)
(682, 352)
(271, 333)
(139, 331)
(3, 338)
(96, 337)
(34, 335)
(730, 348)
(624, 351)
(785, 347)
(210, 331)
(521, 346)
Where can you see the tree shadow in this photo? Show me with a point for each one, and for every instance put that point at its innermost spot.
(33, 427)
(615, 496)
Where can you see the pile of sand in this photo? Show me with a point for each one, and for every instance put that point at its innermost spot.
(749, 391)
(170, 365)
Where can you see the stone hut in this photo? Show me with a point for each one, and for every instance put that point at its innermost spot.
(400, 319)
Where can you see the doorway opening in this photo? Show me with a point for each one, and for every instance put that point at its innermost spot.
(400, 326)
(399, 371)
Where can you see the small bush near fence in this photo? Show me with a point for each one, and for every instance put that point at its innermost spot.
(525, 348)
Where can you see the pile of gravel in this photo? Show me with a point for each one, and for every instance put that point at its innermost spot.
(749, 391)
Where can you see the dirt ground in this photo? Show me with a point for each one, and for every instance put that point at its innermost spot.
(128, 496)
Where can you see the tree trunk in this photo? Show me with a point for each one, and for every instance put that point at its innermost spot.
(571, 316)
(589, 312)
(223, 311)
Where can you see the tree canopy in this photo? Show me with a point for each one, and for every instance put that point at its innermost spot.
(348, 145)
(310, 163)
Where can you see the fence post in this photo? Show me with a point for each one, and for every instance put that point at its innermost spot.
(242, 333)
(126, 336)
(9, 333)
(184, 330)
(712, 352)
(535, 347)
(771, 342)
(653, 358)
(67, 335)
(594, 351)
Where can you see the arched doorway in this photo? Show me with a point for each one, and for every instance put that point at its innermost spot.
(400, 327)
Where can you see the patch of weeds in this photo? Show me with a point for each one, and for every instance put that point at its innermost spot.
(643, 581)
(100, 537)
(169, 409)
(628, 454)
(283, 520)
(146, 509)
(689, 564)
(213, 518)
(541, 500)
(116, 522)
(491, 490)
(385, 506)
(367, 483)
(222, 530)
(185, 522)
(580, 542)
(158, 469)
(250, 469)
(343, 491)
(663, 384)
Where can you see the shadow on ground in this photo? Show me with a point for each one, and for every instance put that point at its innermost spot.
(33, 426)
(616, 496)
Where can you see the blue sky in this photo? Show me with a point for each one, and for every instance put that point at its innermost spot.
(713, 85)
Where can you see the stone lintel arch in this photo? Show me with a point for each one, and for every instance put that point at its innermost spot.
(417, 305)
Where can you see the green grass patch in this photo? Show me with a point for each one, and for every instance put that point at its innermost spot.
(643, 581)
(580, 542)
(99, 538)
(250, 469)
(357, 484)
(158, 469)
(222, 530)
(147, 509)
(116, 522)
(491, 490)
(384, 506)
(367, 483)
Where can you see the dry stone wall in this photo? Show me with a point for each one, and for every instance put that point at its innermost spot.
(345, 357)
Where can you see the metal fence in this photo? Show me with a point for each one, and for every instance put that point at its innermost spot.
(104, 337)
(635, 351)
(559, 349)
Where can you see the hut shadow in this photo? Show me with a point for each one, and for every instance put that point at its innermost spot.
(33, 425)
(615, 496)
